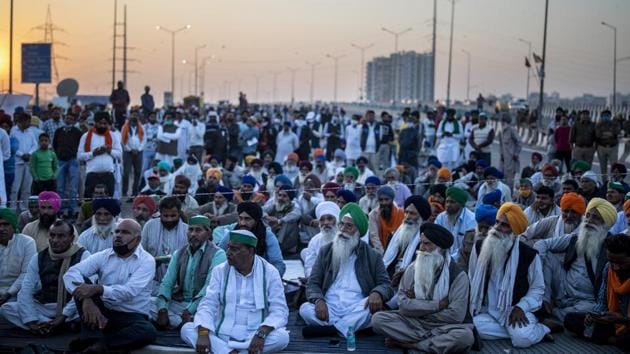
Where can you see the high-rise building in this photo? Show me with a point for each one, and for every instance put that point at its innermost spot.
(401, 77)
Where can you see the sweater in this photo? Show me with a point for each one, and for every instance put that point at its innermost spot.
(43, 165)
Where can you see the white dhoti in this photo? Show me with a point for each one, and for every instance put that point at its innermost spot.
(357, 317)
(276, 341)
(448, 152)
(45, 313)
(522, 337)
(175, 309)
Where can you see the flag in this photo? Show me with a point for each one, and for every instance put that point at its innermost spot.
(537, 59)
(527, 64)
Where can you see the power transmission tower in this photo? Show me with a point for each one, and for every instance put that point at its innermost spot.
(115, 48)
(49, 29)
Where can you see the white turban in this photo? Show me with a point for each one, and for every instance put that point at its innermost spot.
(327, 208)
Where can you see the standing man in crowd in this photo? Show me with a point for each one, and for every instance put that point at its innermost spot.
(66, 144)
(133, 141)
(147, 103)
(120, 102)
(583, 138)
(607, 138)
(510, 144)
(25, 135)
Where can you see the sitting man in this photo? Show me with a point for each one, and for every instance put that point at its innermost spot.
(501, 306)
(221, 210)
(385, 219)
(143, 209)
(543, 206)
(187, 276)
(181, 185)
(283, 216)
(247, 192)
(16, 251)
(327, 214)
(100, 236)
(457, 219)
(401, 250)
(486, 216)
(49, 204)
(115, 310)
(369, 201)
(244, 307)
(43, 305)
(433, 312)
(572, 208)
(573, 286)
(348, 282)
(608, 323)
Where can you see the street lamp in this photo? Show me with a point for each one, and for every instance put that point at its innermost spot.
(336, 60)
(173, 33)
(614, 97)
(361, 77)
(197, 68)
(396, 35)
(467, 75)
(292, 71)
(529, 68)
(396, 59)
(450, 56)
(312, 65)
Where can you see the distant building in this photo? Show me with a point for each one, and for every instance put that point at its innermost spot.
(401, 77)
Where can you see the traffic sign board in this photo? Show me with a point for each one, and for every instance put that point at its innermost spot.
(36, 60)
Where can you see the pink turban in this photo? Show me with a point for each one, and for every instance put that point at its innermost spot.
(52, 198)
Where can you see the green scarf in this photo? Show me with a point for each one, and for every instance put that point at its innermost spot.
(455, 123)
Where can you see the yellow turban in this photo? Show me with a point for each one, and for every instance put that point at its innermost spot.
(214, 172)
(515, 216)
(605, 209)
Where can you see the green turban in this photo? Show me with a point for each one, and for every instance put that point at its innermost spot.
(352, 170)
(244, 237)
(580, 165)
(199, 220)
(9, 215)
(457, 194)
(357, 215)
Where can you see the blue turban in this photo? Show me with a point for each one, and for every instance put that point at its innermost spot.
(284, 180)
(434, 162)
(492, 171)
(492, 197)
(347, 195)
(373, 180)
(482, 163)
(247, 179)
(386, 191)
(226, 192)
(290, 191)
(486, 213)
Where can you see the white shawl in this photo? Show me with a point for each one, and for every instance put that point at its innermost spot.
(392, 250)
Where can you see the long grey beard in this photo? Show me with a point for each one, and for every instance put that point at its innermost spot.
(328, 234)
(280, 207)
(342, 248)
(494, 250)
(407, 232)
(103, 231)
(426, 268)
(590, 239)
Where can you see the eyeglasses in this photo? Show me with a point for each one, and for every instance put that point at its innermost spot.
(348, 226)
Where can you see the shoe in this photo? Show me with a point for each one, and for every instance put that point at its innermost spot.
(548, 338)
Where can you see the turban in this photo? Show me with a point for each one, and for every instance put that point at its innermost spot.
(444, 173)
(592, 176)
(373, 180)
(327, 208)
(293, 157)
(317, 183)
(422, 206)
(550, 168)
(573, 201)
(276, 167)
(437, 206)
(52, 198)
(580, 165)
(214, 172)
(251, 209)
(147, 201)
(525, 182)
(492, 197)
(605, 209)
(199, 220)
(515, 216)
(318, 152)
(457, 194)
(163, 165)
(357, 215)
(626, 206)
(181, 179)
(347, 196)
(306, 164)
(249, 159)
(98, 116)
(434, 162)
(109, 204)
(437, 234)
(352, 170)
(481, 163)
(339, 153)
(330, 187)
(289, 190)
(617, 186)
(226, 192)
(244, 237)
(9, 215)
(247, 179)
(438, 189)
(256, 161)
(386, 191)
(491, 171)
(486, 213)
(284, 180)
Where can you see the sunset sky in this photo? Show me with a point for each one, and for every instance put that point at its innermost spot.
(257, 37)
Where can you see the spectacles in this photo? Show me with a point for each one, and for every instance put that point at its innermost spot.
(346, 226)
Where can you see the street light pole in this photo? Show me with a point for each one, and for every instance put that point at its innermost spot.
(292, 70)
(529, 69)
(197, 68)
(467, 75)
(450, 56)
(275, 85)
(11, 48)
(614, 97)
(433, 43)
(362, 73)
(336, 60)
(396, 59)
(541, 94)
(312, 65)
(172, 33)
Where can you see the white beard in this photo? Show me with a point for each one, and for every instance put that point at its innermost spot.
(590, 239)
(494, 250)
(349, 187)
(328, 234)
(406, 234)
(342, 248)
(257, 175)
(103, 231)
(569, 228)
(426, 266)
(219, 209)
(280, 207)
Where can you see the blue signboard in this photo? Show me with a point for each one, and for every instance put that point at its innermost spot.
(36, 60)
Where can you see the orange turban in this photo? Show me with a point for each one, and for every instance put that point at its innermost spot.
(515, 216)
(444, 173)
(626, 206)
(573, 201)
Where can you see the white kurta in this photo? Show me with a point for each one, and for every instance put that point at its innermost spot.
(448, 151)
(353, 141)
(93, 242)
(309, 254)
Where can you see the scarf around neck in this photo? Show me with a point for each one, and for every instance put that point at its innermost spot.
(88, 139)
(126, 129)
(65, 264)
(617, 288)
